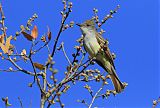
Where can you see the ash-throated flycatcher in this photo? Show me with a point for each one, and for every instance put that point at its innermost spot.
(97, 47)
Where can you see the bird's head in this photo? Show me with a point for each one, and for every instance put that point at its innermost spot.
(87, 26)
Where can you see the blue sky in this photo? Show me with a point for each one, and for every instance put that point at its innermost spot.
(133, 36)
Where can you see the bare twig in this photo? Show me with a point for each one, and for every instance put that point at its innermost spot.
(21, 104)
(43, 98)
(108, 16)
(83, 56)
(83, 102)
(85, 62)
(46, 44)
(21, 69)
(94, 97)
(9, 70)
(44, 79)
(36, 76)
(75, 56)
(64, 52)
(48, 49)
(59, 33)
(60, 102)
(2, 23)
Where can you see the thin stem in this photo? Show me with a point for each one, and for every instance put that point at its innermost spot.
(20, 69)
(64, 52)
(44, 80)
(75, 56)
(59, 33)
(3, 70)
(21, 104)
(36, 77)
(61, 28)
(46, 44)
(2, 23)
(60, 102)
(85, 62)
(83, 102)
(109, 16)
(80, 63)
(43, 98)
(48, 49)
(94, 97)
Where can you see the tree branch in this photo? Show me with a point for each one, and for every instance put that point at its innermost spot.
(22, 70)
(64, 52)
(94, 97)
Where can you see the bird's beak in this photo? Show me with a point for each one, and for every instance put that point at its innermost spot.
(78, 24)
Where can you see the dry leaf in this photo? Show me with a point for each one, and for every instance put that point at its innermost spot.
(49, 34)
(34, 32)
(2, 39)
(27, 36)
(5, 48)
(8, 42)
(39, 66)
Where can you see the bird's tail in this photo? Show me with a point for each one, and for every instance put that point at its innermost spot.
(116, 82)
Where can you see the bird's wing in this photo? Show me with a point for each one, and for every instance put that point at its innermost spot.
(103, 43)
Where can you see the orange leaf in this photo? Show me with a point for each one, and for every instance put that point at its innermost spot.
(34, 32)
(27, 36)
(49, 34)
(39, 66)
(2, 39)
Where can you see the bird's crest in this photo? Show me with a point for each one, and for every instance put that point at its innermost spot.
(90, 22)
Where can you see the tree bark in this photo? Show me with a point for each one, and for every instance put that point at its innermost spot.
(42, 105)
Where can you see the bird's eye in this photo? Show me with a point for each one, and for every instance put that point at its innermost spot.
(88, 25)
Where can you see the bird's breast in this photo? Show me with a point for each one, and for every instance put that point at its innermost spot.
(91, 44)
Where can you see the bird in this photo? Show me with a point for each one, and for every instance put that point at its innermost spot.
(97, 47)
